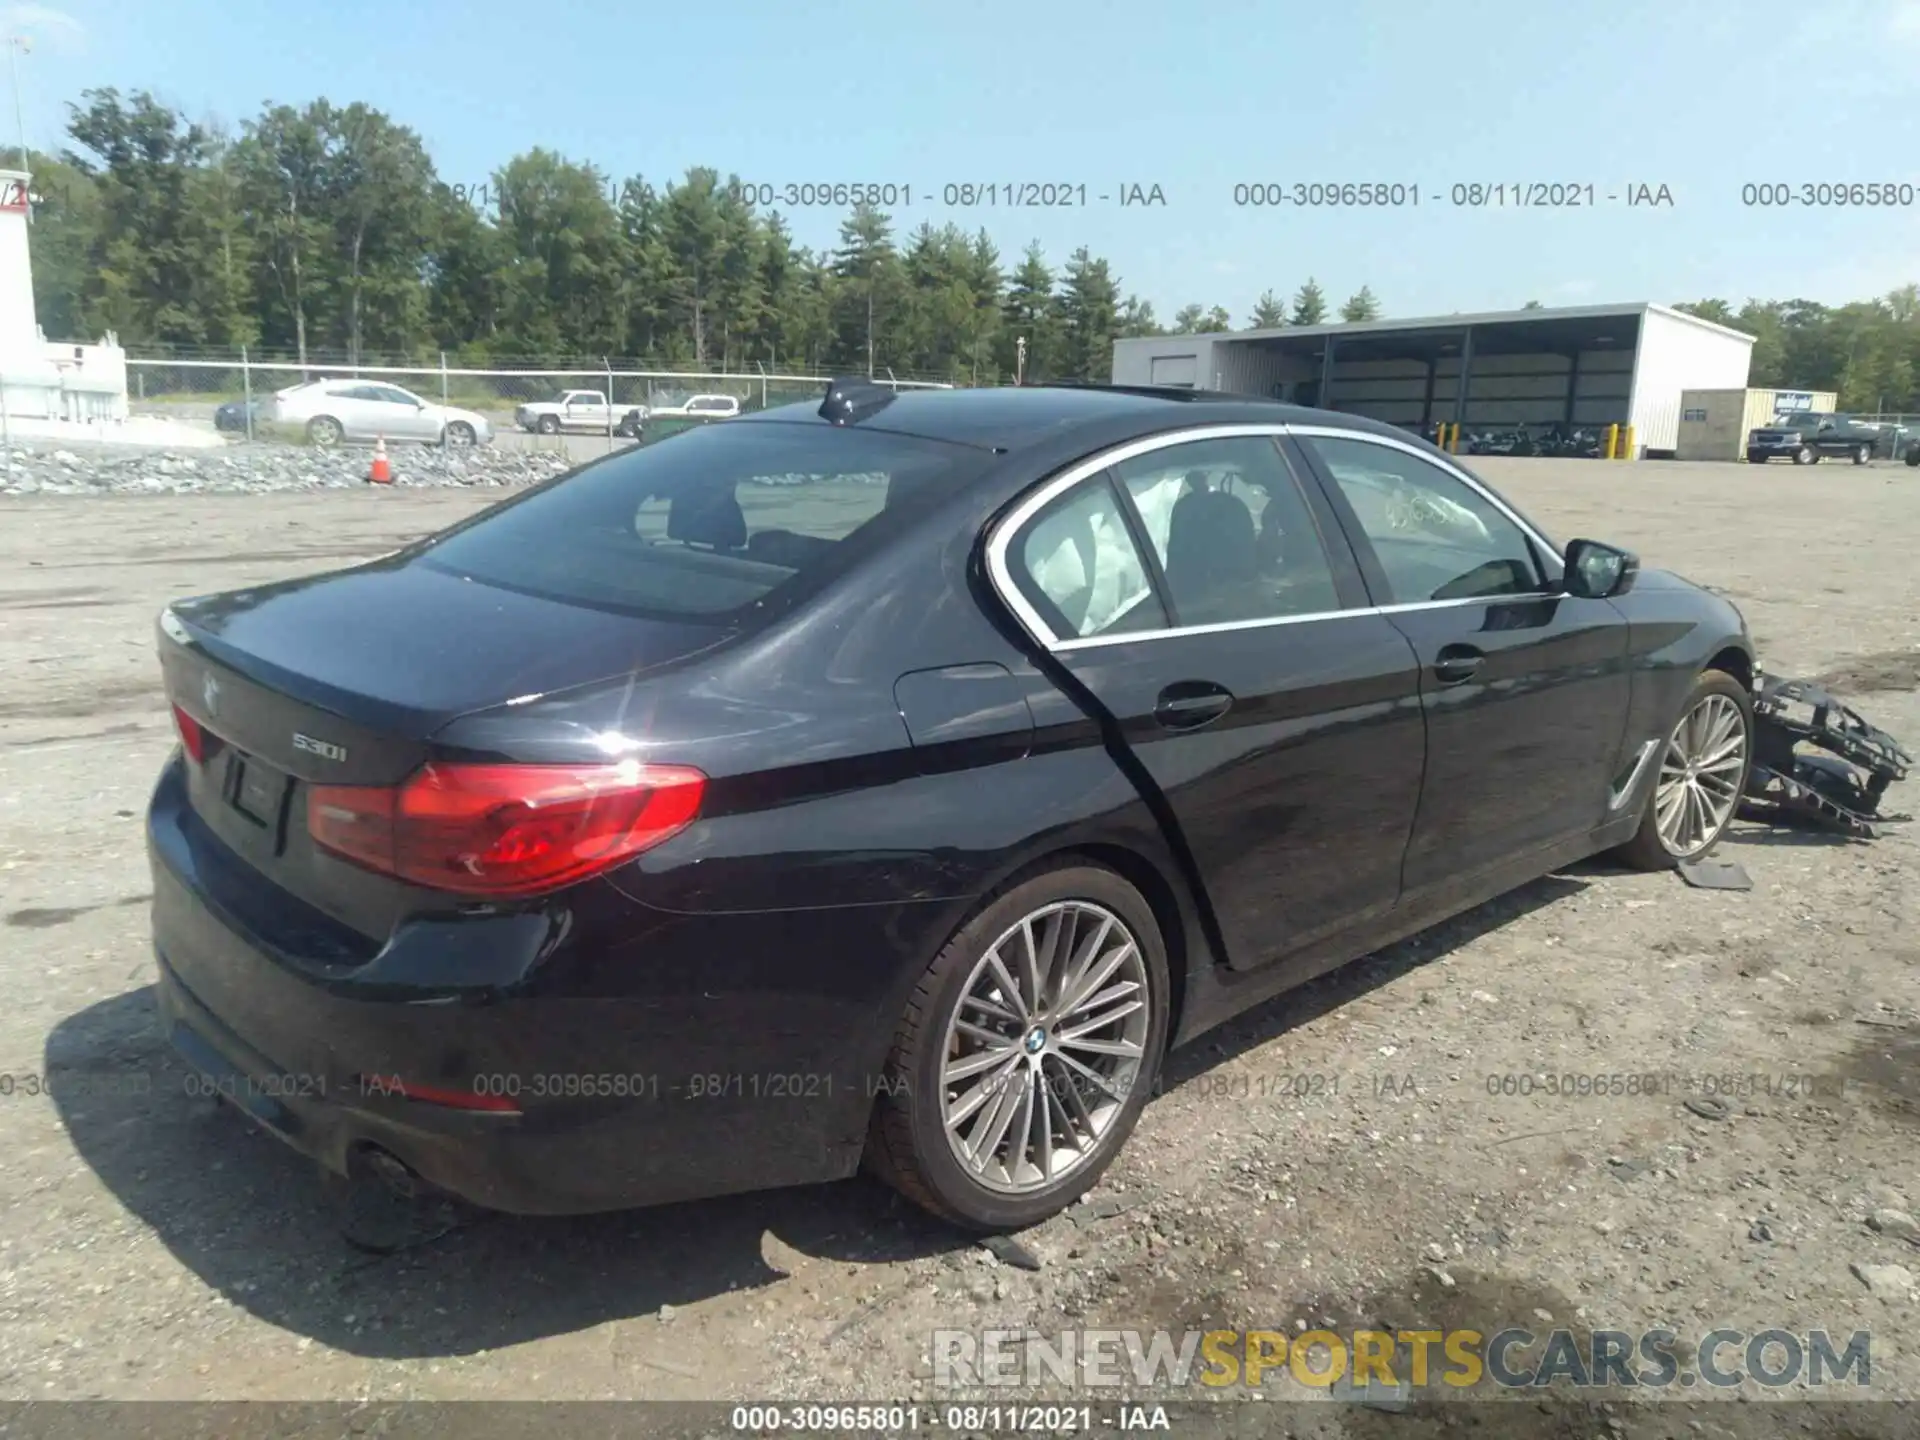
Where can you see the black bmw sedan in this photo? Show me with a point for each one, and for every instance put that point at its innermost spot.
(892, 781)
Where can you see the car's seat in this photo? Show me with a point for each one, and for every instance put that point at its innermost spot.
(1212, 556)
(709, 517)
(1291, 552)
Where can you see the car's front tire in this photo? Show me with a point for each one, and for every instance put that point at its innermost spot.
(460, 434)
(1805, 455)
(1027, 1052)
(1702, 773)
(1862, 454)
(325, 431)
(549, 425)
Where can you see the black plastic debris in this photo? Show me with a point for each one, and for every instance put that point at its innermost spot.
(1714, 873)
(1840, 790)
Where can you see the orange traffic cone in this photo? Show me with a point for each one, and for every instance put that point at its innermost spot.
(382, 472)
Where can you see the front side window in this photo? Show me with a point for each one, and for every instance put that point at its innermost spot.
(711, 523)
(1436, 537)
(1077, 565)
(1233, 532)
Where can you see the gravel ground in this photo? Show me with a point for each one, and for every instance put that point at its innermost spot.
(1343, 1154)
(243, 469)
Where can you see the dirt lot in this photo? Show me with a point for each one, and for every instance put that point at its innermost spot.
(1343, 1154)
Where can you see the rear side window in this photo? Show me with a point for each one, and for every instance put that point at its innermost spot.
(1077, 565)
(710, 523)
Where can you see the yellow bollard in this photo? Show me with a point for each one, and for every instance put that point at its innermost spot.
(1626, 452)
(1453, 441)
(1613, 436)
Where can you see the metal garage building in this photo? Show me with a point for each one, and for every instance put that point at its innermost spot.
(1588, 366)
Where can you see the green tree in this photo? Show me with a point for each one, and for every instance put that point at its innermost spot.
(157, 231)
(1089, 318)
(1269, 312)
(1309, 304)
(565, 257)
(872, 288)
(379, 200)
(1718, 311)
(284, 183)
(1031, 314)
(1362, 306)
(66, 222)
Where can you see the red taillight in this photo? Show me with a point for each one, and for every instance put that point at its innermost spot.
(505, 830)
(191, 735)
(436, 1095)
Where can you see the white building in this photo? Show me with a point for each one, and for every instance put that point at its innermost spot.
(1589, 366)
(41, 381)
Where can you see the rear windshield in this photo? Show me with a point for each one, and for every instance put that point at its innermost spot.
(711, 523)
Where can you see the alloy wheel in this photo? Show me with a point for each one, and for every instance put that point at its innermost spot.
(1701, 775)
(1044, 1047)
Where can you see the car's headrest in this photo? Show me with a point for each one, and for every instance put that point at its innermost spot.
(707, 516)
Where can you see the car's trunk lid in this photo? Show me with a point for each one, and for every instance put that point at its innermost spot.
(343, 679)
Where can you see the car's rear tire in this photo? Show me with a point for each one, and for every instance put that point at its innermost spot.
(1701, 775)
(549, 424)
(1862, 454)
(1085, 959)
(325, 431)
(460, 433)
(1913, 453)
(1805, 455)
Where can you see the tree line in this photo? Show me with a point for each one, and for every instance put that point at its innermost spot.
(325, 231)
(1868, 352)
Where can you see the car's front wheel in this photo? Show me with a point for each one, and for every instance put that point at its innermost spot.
(1703, 773)
(460, 433)
(325, 431)
(1805, 455)
(1026, 1053)
(549, 424)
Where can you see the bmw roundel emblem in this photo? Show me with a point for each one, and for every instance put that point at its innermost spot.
(210, 693)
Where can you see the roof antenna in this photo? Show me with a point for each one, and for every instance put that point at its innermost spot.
(853, 398)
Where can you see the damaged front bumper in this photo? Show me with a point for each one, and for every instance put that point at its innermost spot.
(1840, 789)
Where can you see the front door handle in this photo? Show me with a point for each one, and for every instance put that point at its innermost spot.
(1457, 663)
(1191, 704)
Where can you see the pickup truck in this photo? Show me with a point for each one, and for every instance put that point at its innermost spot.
(1808, 438)
(581, 410)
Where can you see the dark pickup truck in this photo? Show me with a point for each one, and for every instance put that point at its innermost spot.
(1809, 438)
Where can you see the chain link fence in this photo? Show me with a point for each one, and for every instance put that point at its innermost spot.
(574, 408)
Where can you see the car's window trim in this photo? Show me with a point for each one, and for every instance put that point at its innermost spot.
(1000, 541)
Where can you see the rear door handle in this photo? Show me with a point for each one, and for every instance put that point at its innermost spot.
(1191, 704)
(1457, 663)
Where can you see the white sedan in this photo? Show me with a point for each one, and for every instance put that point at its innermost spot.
(335, 410)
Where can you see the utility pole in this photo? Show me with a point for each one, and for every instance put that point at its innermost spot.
(15, 44)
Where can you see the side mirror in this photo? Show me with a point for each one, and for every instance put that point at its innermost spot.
(1599, 572)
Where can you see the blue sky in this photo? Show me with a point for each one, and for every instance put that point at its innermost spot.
(1700, 97)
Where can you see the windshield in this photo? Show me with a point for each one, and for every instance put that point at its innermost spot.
(711, 523)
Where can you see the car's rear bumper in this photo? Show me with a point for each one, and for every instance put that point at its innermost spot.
(625, 1096)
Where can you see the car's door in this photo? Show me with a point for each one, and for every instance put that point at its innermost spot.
(584, 411)
(410, 416)
(1202, 603)
(356, 407)
(1525, 688)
